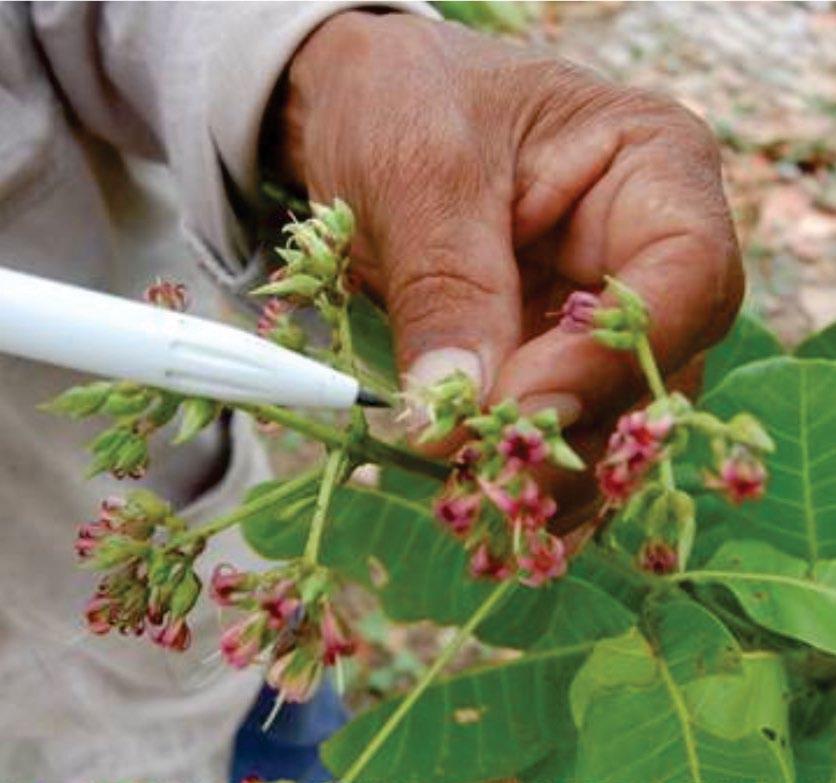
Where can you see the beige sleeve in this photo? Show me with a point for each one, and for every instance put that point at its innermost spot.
(187, 83)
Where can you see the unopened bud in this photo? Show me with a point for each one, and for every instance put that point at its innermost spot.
(185, 594)
(80, 401)
(746, 430)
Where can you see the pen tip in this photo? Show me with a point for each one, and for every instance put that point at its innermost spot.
(371, 400)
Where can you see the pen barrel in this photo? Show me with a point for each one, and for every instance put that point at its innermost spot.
(106, 335)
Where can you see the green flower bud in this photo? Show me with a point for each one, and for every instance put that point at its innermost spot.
(484, 425)
(564, 456)
(746, 430)
(547, 421)
(144, 503)
(132, 456)
(114, 550)
(320, 259)
(294, 260)
(198, 413)
(507, 411)
(632, 305)
(338, 220)
(289, 334)
(106, 448)
(304, 286)
(164, 410)
(610, 318)
(80, 401)
(619, 341)
(185, 594)
(126, 403)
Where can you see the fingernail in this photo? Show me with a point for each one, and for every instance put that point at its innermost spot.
(568, 406)
(435, 365)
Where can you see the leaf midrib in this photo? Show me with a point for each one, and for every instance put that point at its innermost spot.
(806, 486)
(804, 584)
(684, 719)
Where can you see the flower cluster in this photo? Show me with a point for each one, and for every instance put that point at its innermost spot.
(276, 323)
(167, 294)
(149, 585)
(445, 405)
(493, 503)
(287, 621)
(313, 273)
(618, 327)
(636, 445)
(138, 412)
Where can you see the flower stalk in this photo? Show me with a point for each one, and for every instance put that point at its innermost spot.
(335, 468)
(447, 654)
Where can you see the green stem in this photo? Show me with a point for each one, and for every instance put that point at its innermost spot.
(644, 353)
(334, 467)
(426, 680)
(365, 449)
(242, 513)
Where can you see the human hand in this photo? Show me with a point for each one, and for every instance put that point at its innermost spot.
(488, 181)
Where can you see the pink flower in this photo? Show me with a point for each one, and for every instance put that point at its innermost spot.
(90, 536)
(174, 636)
(633, 448)
(464, 463)
(530, 507)
(458, 512)
(499, 496)
(534, 509)
(111, 509)
(226, 584)
(522, 449)
(545, 560)
(336, 642)
(271, 314)
(742, 477)
(658, 557)
(616, 481)
(101, 612)
(484, 564)
(241, 642)
(279, 605)
(164, 293)
(578, 312)
(296, 676)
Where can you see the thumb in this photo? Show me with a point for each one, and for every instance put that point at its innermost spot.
(453, 294)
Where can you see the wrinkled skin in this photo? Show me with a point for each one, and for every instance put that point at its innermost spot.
(489, 180)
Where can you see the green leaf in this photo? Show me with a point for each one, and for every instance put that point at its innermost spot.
(669, 707)
(793, 399)
(747, 341)
(395, 547)
(777, 590)
(480, 726)
(197, 414)
(371, 338)
(556, 767)
(410, 486)
(821, 345)
(815, 755)
(494, 721)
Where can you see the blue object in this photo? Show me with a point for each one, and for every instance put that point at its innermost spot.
(289, 748)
